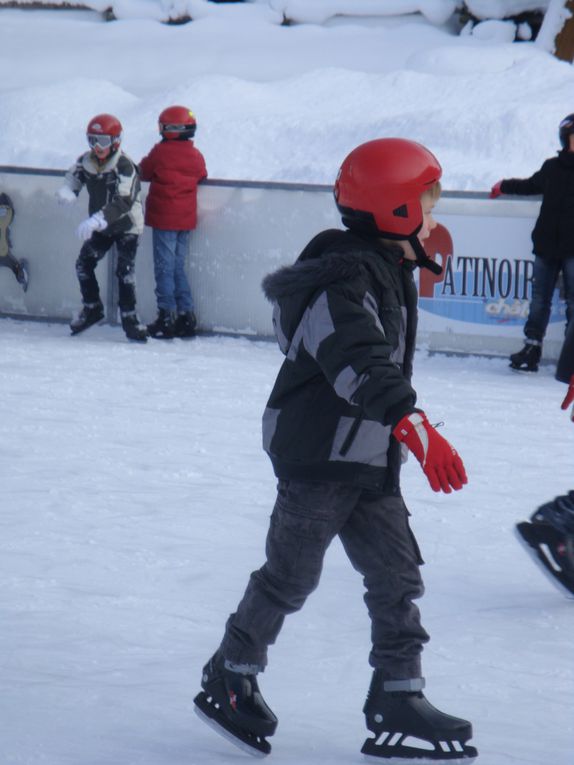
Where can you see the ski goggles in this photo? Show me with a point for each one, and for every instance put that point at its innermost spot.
(172, 128)
(103, 141)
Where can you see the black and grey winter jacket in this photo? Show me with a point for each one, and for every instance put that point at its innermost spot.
(114, 188)
(345, 318)
(553, 233)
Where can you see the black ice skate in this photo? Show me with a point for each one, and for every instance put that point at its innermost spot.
(163, 327)
(133, 328)
(549, 539)
(232, 704)
(91, 314)
(527, 359)
(185, 324)
(408, 728)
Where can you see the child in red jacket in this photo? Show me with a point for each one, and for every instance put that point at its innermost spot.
(173, 167)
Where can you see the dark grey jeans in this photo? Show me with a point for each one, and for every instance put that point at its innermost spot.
(375, 533)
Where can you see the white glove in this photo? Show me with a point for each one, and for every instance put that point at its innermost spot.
(65, 196)
(95, 222)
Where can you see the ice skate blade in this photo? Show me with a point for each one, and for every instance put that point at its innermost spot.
(542, 562)
(520, 371)
(402, 749)
(422, 760)
(79, 330)
(228, 735)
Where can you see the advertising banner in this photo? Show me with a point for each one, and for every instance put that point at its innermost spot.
(485, 287)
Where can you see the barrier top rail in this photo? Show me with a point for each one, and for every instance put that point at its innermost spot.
(234, 183)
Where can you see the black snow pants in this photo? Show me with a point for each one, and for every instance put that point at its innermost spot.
(90, 255)
(377, 538)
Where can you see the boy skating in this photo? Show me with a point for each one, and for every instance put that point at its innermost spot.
(341, 408)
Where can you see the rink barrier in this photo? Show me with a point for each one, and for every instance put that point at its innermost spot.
(248, 228)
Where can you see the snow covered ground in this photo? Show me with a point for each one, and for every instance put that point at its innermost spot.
(283, 103)
(135, 501)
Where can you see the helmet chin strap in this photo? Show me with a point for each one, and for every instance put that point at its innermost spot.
(423, 260)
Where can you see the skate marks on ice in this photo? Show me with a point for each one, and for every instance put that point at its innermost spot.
(552, 555)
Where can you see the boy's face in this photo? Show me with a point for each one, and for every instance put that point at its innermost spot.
(429, 223)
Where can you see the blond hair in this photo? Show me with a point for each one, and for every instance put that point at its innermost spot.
(433, 193)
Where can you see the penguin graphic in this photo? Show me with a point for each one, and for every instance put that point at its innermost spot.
(18, 267)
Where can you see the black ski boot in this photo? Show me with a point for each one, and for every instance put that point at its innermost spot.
(185, 324)
(527, 359)
(408, 727)
(232, 704)
(90, 314)
(163, 327)
(549, 538)
(133, 328)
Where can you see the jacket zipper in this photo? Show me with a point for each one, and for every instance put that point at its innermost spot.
(348, 442)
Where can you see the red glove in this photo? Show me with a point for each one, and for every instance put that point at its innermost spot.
(495, 190)
(569, 398)
(439, 460)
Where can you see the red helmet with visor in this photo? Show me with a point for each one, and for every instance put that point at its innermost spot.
(177, 122)
(104, 131)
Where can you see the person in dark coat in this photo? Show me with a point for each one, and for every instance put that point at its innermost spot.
(340, 413)
(552, 239)
(173, 168)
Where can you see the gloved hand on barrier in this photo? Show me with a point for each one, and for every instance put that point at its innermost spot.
(95, 222)
(495, 190)
(65, 196)
(440, 462)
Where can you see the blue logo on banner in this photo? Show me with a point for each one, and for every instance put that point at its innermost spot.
(455, 300)
(480, 290)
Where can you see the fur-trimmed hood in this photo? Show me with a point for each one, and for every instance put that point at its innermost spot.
(311, 274)
(332, 256)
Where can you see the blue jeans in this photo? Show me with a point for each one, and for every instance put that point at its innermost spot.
(545, 276)
(172, 290)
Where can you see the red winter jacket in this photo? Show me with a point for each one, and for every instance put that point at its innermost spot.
(173, 168)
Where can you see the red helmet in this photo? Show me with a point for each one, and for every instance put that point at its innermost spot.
(177, 122)
(380, 183)
(104, 130)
